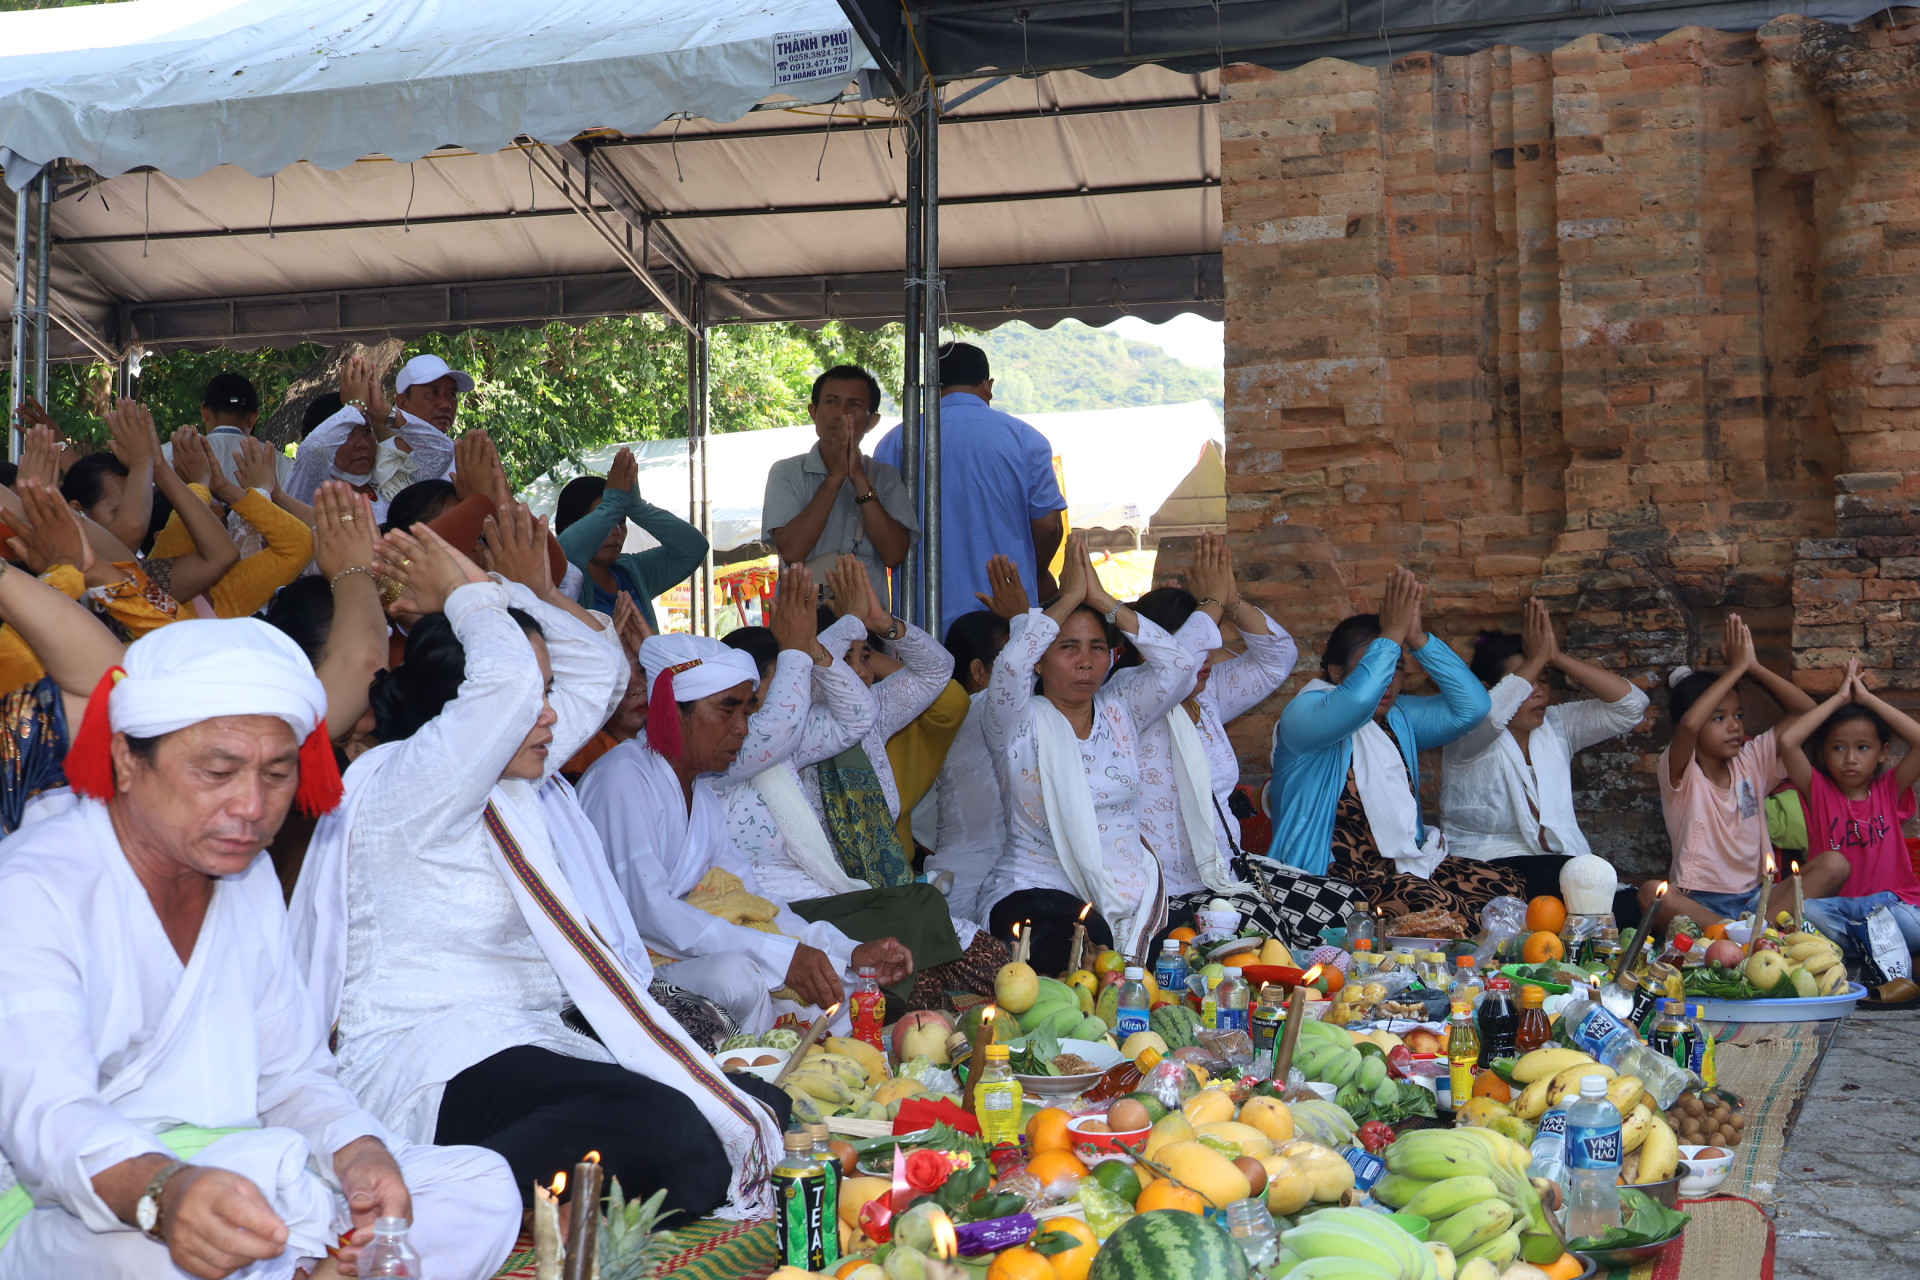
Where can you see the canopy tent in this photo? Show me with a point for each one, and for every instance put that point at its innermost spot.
(1119, 467)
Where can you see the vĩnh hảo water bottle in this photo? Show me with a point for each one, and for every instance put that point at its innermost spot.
(1593, 1162)
(1612, 1042)
(1549, 1148)
(1132, 1009)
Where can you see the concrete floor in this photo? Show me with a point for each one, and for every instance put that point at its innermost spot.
(1847, 1206)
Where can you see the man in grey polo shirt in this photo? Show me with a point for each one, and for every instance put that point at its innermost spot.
(833, 500)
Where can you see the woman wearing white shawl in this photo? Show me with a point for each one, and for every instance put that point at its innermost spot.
(462, 924)
(1068, 758)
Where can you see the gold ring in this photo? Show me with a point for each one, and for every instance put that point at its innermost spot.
(346, 519)
(406, 561)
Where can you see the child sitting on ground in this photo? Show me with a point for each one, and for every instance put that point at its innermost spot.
(1714, 780)
(1837, 756)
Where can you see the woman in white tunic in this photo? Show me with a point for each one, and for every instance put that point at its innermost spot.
(1188, 767)
(1068, 756)
(972, 831)
(1506, 787)
(488, 979)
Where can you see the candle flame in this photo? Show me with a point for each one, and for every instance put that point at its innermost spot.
(831, 1010)
(1310, 976)
(560, 1182)
(1016, 930)
(593, 1157)
(1796, 868)
(987, 1015)
(1083, 912)
(946, 1242)
(1663, 886)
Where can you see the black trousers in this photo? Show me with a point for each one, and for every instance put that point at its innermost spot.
(544, 1111)
(1054, 914)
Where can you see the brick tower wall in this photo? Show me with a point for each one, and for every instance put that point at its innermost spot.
(1630, 327)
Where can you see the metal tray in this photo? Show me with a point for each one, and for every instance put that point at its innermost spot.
(1811, 1009)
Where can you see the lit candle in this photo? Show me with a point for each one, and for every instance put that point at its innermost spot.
(1026, 943)
(1079, 940)
(1019, 935)
(583, 1229)
(946, 1246)
(547, 1246)
(1631, 955)
(1296, 1010)
(978, 1061)
(1799, 905)
(814, 1032)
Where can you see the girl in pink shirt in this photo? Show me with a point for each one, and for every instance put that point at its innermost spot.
(1837, 757)
(1714, 781)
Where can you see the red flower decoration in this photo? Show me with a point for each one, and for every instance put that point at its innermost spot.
(927, 1171)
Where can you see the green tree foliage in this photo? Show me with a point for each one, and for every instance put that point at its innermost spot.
(1072, 366)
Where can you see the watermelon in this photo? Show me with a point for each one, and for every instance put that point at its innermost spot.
(1175, 1024)
(1169, 1244)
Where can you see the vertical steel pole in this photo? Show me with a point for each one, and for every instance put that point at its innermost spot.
(703, 365)
(932, 297)
(909, 597)
(695, 450)
(17, 347)
(42, 261)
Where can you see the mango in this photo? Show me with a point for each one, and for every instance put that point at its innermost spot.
(871, 1060)
(1250, 1140)
(1209, 1106)
(1206, 1171)
(854, 1194)
(1270, 1116)
(1016, 987)
(1170, 1128)
(1289, 1188)
(1328, 1170)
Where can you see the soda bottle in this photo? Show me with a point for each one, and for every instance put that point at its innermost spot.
(996, 1099)
(1171, 971)
(1549, 1148)
(389, 1255)
(1499, 1020)
(869, 1008)
(1133, 1005)
(1534, 1030)
(1593, 1162)
(1463, 1053)
(1231, 1001)
(800, 1190)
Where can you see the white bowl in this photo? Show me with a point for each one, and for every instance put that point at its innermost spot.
(1326, 1091)
(1739, 931)
(1703, 1176)
(745, 1056)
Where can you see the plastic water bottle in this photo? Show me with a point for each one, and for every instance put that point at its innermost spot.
(1614, 1043)
(1171, 971)
(1133, 1007)
(1550, 1146)
(1593, 1161)
(390, 1255)
(1234, 996)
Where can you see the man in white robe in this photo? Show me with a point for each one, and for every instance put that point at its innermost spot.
(168, 1106)
(664, 829)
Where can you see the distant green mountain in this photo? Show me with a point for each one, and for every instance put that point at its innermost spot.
(1073, 366)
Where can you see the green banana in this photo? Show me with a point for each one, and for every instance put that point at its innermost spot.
(1342, 1069)
(1444, 1199)
(1434, 1154)
(1397, 1190)
(1477, 1269)
(1357, 1234)
(1385, 1094)
(1339, 1269)
(1314, 1029)
(1372, 1071)
(1473, 1226)
(1443, 1264)
(1500, 1251)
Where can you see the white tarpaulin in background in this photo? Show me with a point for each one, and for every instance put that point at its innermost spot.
(1119, 466)
(186, 85)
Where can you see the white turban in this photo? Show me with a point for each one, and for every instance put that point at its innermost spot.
(198, 670)
(683, 668)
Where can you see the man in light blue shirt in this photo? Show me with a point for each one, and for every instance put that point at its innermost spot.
(998, 493)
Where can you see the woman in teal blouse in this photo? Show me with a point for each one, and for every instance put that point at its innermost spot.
(590, 519)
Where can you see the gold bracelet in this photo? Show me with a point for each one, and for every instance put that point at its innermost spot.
(334, 581)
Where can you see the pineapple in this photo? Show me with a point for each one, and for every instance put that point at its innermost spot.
(631, 1248)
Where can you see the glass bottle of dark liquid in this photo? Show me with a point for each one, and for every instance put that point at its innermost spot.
(1534, 1029)
(1498, 1019)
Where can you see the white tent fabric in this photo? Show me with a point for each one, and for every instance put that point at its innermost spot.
(1120, 466)
(262, 84)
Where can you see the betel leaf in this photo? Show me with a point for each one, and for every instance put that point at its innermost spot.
(1643, 1220)
(1033, 1054)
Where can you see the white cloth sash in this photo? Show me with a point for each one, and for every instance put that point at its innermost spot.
(800, 827)
(1076, 830)
(1386, 793)
(1193, 785)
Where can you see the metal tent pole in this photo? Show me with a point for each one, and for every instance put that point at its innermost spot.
(42, 261)
(17, 348)
(703, 363)
(910, 582)
(932, 299)
(699, 498)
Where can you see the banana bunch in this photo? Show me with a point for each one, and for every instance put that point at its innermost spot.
(1553, 1076)
(1475, 1191)
(1820, 958)
(1337, 1065)
(1354, 1244)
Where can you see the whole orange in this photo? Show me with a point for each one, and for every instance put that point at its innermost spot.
(1055, 1166)
(1073, 1263)
(1488, 1084)
(1547, 914)
(1047, 1131)
(1161, 1194)
(1183, 934)
(1542, 947)
(1717, 931)
(1021, 1263)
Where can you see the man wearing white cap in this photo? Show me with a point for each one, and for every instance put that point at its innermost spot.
(168, 1105)
(652, 800)
(379, 448)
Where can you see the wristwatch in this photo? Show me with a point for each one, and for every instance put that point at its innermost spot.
(146, 1210)
(871, 495)
(895, 631)
(1112, 615)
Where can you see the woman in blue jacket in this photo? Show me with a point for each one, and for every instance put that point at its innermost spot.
(1346, 766)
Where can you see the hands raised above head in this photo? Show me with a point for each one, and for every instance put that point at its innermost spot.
(422, 562)
(1400, 609)
(517, 543)
(477, 467)
(1538, 643)
(625, 471)
(796, 609)
(1009, 598)
(629, 623)
(1211, 577)
(50, 531)
(344, 530)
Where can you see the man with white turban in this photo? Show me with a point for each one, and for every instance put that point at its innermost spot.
(168, 1106)
(665, 830)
